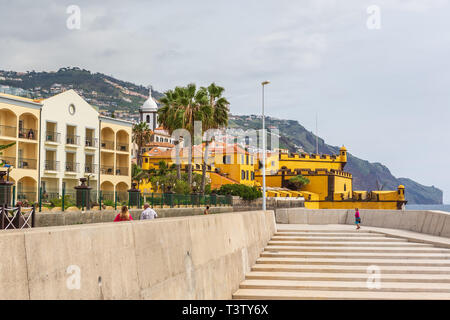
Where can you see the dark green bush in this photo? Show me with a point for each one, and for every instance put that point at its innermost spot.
(241, 190)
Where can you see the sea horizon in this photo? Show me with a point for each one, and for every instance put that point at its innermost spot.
(439, 207)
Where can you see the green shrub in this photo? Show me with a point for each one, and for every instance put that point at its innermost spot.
(108, 202)
(241, 190)
(297, 182)
(182, 187)
(57, 202)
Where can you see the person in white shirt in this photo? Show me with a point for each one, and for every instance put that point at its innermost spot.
(148, 213)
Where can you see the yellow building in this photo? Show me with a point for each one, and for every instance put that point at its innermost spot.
(19, 123)
(115, 157)
(330, 187)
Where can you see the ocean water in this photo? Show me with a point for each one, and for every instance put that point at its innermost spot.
(440, 207)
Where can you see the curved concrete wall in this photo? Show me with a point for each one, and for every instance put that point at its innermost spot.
(430, 222)
(201, 257)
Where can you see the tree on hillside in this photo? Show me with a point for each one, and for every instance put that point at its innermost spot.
(141, 136)
(217, 119)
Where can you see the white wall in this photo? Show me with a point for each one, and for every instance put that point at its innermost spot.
(56, 109)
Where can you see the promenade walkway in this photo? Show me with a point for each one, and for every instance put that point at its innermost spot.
(338, 262)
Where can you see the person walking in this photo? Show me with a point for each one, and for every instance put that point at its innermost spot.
(357, 219)
(148, 213)
(124, 215)
(206, 210)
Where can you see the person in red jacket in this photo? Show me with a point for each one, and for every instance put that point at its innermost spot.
(124, 215)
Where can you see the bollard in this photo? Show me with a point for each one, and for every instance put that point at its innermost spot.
(63, 198)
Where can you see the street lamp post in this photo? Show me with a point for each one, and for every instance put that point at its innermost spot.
(264, 146)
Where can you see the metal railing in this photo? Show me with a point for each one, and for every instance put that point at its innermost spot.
(8, 131)
(31, 134)
(17, 217)
(122, 147)
(24, 195)
(51, 165)
(73, 139)
(72, 166)
(52, 136)
(24, 163)
(121, 171)
(107, 170)
(91, 142)
(90, 168)
(106, 144)
(172, 200)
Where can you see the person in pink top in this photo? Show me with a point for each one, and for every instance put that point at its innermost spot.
(357, 219)
(124, 215)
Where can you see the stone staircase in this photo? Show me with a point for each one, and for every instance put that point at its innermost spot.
(332, 263)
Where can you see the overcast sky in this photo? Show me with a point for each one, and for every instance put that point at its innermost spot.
(384, 93)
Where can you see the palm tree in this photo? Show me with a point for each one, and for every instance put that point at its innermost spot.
(217, 119)
(141, 136)
(139, 175)
(3, 147)
(184, 106)
(167, 118)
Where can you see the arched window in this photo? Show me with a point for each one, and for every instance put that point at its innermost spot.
(147, 119)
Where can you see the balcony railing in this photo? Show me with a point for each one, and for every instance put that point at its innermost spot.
(90, 168)
(121, 171)
(73, 139)
(122, 146)
(31, 134)
(51, 165)
(91, 142)
(7, 131)
(107, 170)
(26, 194)
(52, 136)
(27, 163)
(72, 166)
(8, 160)
(106, 144)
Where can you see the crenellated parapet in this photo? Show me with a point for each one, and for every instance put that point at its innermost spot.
(316, 172)
(342, 157)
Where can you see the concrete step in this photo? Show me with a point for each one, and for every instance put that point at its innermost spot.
(355, 261)
(380, 249)
(349, 230)
(354, 244)
(271, 294)
(328, 234)
(339, 239)
(345, 286)
(427, 270)
(355, 255)
(311, 276)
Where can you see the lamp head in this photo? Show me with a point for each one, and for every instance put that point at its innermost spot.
(265, 82)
